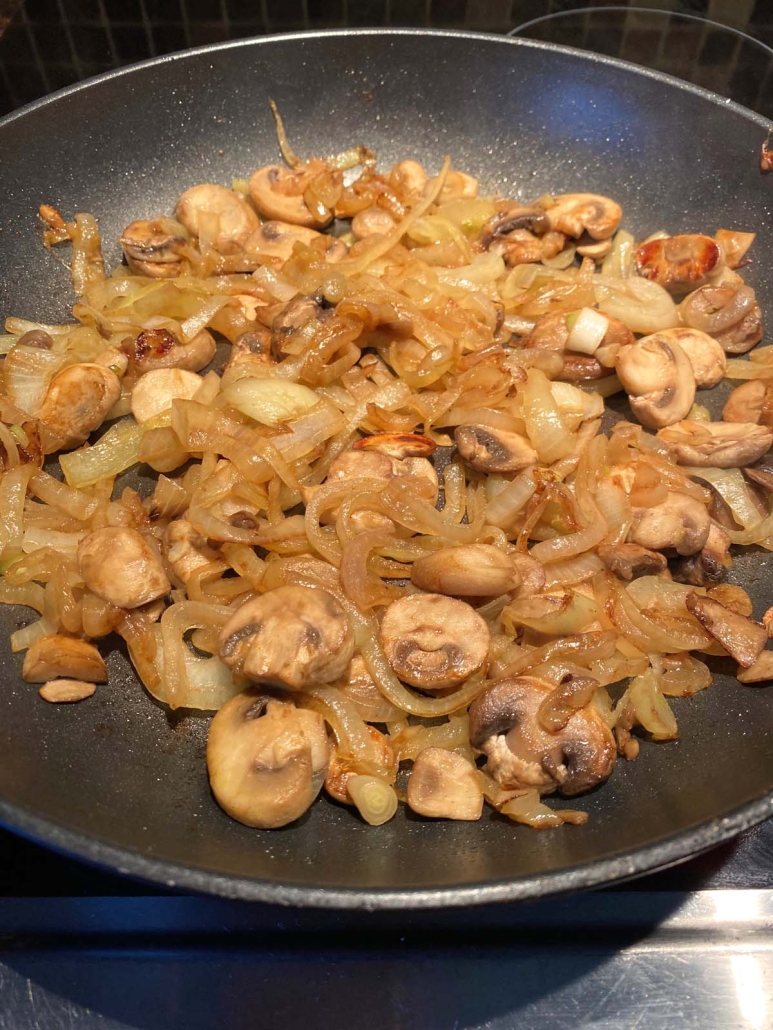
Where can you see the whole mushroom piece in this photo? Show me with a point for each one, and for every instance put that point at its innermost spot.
(679, 263)
(434, 642)
(680, 523)
(290, 637)
(266, 759)
(521, 754)
(707, 358)
(578, 213)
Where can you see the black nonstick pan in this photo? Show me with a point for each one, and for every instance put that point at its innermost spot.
(121, 782)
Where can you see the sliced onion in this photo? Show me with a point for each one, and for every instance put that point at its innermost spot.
(187, 681)
(640, 304)
(588, 330)
(27, 373)
(113, 453)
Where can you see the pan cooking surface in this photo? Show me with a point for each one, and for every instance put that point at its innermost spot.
(120, 781)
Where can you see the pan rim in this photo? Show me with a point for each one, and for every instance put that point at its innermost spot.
(177, 876)
(311, 34)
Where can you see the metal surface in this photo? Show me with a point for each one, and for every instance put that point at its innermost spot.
(606, 961)
(120, 782)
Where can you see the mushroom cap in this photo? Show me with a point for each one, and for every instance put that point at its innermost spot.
(679, 263)
(77, 402)
(277, 239)
(504, 726)
(120, 566)
(658, 377)
(432, 641)
(266, 759)
(292, 637)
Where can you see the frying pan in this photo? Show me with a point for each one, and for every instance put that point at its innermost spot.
(120, 781)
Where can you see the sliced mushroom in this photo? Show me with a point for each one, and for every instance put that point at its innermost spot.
(56, 655)
(408, 177)
(494, 450)
(730, 314)
(121, 567)
(298, 312)
(758, 672)
(266, 759)
(578, 213)
(276, 239)
(218, 215)
(155, 390)
(521, 754)
(252, 346)
(512, 218)
(340, 769)
(741, 637)
(657, 376)
(522, 247)
(158, 348)
(707, 358)
(752, 401)
(457, 185)
(473, 570)
(291, 637)
(77, 402)
(594, 249)
(444, 785)
(278, 193)
(680, 522)
(373, 221)
(679, 263)
(433, 642)
(155, 248)
(185, 549)
(398, 445)
(717, 444)
(709, 565)
(66, 691)
(629, 561)
(731, 596)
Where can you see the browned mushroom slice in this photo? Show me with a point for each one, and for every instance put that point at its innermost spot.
(120, 566)
(709, 565)
(77, 402)
(750, 402)
(444, 785)
(276, 239)
(717, 444)
(741, 637)
(66, 691)
(473, 570)
(494, 450)
(218, 214)
(578, 213)
(680, 522)
(158, 348)
(433, 641)
(521, 754)
(154, 248)
(278, 193)
(398, 445)
(186, 549)
(731, 596)
(628, 561)
(658, 378)
(251, 346)
(760, 671)
(56, 655)
(679, 263)
(266, 759)
(292, 637)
